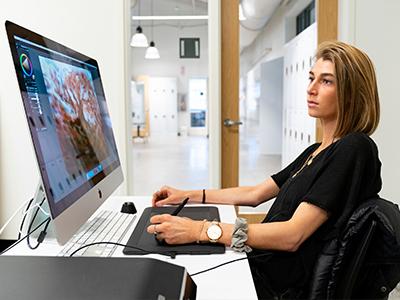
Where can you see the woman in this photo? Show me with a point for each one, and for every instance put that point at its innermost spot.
(315, 194)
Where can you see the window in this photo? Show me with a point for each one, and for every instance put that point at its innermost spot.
(305, 18)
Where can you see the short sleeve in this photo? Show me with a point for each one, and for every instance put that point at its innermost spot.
(283, 175)
(343, 176)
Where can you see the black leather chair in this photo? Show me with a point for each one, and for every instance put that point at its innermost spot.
(364, 262)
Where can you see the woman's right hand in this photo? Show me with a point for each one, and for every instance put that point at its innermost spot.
(168, 195)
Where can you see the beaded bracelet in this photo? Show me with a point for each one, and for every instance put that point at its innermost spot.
(201, 230)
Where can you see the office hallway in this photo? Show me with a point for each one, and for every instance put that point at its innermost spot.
(182, 162)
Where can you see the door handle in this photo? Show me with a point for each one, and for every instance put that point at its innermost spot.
(230, 123)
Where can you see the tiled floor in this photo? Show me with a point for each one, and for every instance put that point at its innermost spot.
(181, 162)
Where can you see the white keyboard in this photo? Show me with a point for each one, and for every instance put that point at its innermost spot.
(105, 226)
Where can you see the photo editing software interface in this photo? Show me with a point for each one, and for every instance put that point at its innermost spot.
(68, 119)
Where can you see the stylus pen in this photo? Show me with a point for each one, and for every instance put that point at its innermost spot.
(179, 208)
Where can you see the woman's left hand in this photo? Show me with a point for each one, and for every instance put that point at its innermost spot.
(175, 230)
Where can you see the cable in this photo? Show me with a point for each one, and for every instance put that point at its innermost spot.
(29, 233)
(171, 254)
(25, 214)
(13, 216)
(229, 262)
(23, 219)
(42, 233)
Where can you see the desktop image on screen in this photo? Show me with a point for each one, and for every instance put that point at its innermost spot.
(70, 126)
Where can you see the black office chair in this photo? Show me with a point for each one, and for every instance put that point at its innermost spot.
(364, 262)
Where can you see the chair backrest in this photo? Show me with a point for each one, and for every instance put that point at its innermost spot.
(350, 274)
(364, 262)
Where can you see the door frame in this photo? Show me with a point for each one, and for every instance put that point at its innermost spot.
(214, 93)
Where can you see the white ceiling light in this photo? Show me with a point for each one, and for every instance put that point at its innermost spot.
(163, 18)
(139, 39)
(152, 52)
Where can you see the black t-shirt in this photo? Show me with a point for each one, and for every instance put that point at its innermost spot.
(339, 178)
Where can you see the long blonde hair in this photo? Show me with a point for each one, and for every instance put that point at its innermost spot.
(357, 91)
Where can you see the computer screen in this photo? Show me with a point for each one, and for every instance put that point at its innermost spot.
(70, 126)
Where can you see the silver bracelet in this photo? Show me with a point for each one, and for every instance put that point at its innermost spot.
(239, 236)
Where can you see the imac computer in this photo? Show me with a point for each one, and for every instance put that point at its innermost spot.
(70, 126)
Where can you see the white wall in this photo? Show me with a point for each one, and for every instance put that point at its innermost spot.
(166, 38)
(371, 26)
(271, 100)
(94, 27)
(269, 43)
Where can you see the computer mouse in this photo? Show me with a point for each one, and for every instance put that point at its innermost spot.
(128, 208)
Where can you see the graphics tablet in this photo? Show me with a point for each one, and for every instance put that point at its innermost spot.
(142, 239)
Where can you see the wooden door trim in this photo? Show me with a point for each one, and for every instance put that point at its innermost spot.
(327, 29)
(229, 92)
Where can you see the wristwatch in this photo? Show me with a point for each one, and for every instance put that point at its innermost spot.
(214, 232)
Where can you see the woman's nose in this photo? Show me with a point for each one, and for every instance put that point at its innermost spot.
(312, 89)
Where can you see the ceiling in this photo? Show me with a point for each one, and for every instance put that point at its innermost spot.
(169, 7)
(257, 12)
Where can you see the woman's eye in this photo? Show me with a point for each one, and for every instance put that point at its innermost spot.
(310, 79)
(325, 81)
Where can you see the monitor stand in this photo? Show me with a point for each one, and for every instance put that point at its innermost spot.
(43, 214)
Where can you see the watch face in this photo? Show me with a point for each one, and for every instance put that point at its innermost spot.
(214, 232)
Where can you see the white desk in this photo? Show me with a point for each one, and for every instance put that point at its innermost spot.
(232, 281)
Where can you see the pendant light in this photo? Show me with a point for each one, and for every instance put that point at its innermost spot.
(152, 51)
(139, 39)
